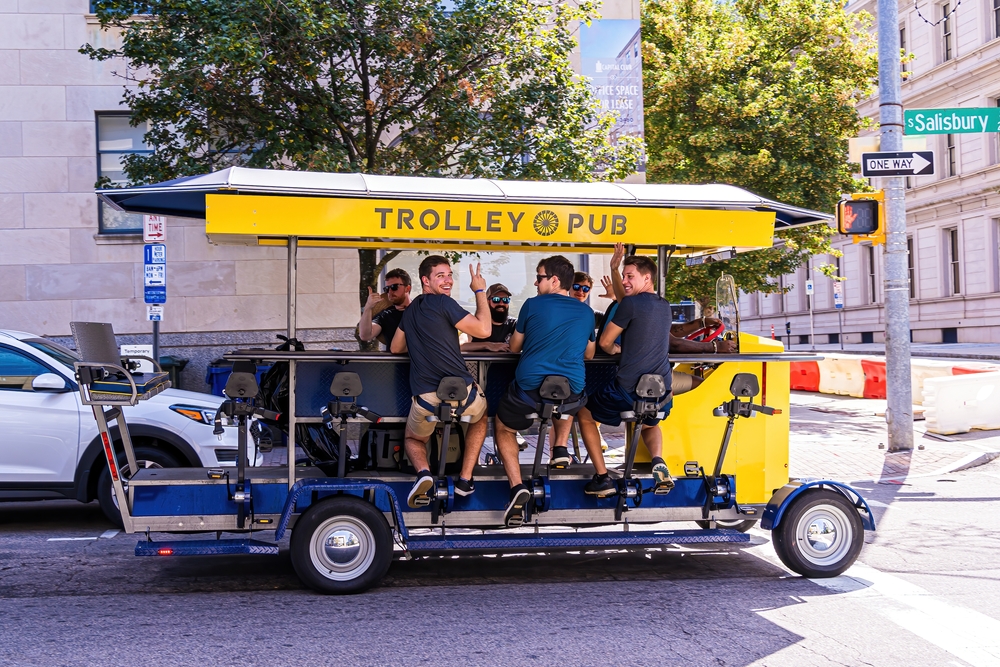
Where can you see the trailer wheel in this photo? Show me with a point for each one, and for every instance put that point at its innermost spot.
(341, 545)
(742, 525)
(820, 535)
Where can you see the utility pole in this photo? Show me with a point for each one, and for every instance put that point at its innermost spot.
(899, 411)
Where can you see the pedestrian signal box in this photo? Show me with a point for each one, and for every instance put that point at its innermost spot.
(863, 217)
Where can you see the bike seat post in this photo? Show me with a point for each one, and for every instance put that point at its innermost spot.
(346, 387)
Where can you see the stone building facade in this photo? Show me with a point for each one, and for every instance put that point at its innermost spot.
(952, 216)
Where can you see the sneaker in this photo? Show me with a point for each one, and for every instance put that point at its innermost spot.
(601, 486)
(522, 444)
(560, 457)
(418, 494)
(662, 481)
(465, 487)
(519, 498)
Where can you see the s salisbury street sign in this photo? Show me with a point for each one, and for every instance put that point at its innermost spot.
(951, 121)
(903, 163)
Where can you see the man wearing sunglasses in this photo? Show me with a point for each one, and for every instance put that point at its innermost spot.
(582, 284)
(498, 297)
(554, 334)
(387, 308)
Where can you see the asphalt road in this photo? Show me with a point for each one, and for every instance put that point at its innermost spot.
(923, 593)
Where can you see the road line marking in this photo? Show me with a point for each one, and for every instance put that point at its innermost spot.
(108, 534)
(70, 539)
(965, 633)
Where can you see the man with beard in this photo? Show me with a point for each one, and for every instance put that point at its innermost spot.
(387, 308)
(498, 297)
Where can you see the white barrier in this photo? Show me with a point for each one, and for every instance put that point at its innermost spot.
(923, 369)
(960, 403)
(842, 374)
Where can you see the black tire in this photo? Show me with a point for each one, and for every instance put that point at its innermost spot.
(365, 548)
(145, 457)
(820, 534)
(742, 525)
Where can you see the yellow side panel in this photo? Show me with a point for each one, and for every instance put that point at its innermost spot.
(758, 450)
(494, 222)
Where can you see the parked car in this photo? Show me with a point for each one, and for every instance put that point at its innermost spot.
(49, 443)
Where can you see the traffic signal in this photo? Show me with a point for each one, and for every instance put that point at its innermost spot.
(863, 217)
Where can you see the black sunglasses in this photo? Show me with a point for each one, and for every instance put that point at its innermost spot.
(500, 299)
(539, 277)
(581, 288)
(393, 288)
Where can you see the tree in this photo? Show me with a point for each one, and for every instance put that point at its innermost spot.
(760, 94)
(479, 88)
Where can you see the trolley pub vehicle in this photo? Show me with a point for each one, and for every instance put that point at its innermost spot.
(725, 442)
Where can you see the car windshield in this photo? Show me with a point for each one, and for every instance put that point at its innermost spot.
(54, 350)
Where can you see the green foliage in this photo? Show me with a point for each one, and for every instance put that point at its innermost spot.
(759, 94)
(404, 87)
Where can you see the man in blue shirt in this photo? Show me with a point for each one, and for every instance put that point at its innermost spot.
(554, 334)
(642, 322)
(428, 331)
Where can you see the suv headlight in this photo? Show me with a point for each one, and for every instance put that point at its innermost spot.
(195, 413)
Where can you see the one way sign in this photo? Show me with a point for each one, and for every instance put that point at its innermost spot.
(904, 163)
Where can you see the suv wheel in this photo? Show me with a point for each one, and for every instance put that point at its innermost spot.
(146, 457)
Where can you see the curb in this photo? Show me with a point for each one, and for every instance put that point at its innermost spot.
(972, 461)
(965, 463)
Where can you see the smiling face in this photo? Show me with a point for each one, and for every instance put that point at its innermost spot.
(634, 281)
(439, 281)
(580, 294)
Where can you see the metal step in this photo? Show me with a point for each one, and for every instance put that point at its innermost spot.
(562, 541)
(205, 547)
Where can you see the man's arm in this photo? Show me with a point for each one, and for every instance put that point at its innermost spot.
(591, 350)
(516, 341)
(608, 336)
(616, 274)
(485, 346)
(682, 329)
(366, 329)
(685, 346)
(481, 324)
(398, 345)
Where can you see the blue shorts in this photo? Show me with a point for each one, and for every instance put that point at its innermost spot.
(609, 400)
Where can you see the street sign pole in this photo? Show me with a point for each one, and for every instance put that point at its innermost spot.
(899, 409)
(154, 234)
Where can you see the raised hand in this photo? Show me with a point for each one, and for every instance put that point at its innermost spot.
(609, 290)
(618, 256)
(478, 282)
(374, 298)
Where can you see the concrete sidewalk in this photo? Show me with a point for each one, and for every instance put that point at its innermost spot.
(956, 351)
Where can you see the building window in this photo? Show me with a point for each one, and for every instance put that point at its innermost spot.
(951, 154)
(946, 25)
(996, 18)
(911, 267)
(954, 261)
(902, 48)
(870, 267)
(116, 139)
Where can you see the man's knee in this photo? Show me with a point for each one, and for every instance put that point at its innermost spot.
(584, 416)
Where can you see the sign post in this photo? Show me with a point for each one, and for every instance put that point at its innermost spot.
(154, 283)
(809, 297)
(838, 303)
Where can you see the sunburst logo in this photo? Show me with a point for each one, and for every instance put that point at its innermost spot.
(546, 223)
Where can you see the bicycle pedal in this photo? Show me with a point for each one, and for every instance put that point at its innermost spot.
(422, 501)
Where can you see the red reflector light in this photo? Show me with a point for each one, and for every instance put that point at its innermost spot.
(165, 552)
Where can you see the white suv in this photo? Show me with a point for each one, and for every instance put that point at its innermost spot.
(49, 444)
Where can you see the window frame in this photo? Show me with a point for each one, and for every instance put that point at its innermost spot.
(953, 261)
(947, 49)
(98, 115)
(911, 266)
(951, 155)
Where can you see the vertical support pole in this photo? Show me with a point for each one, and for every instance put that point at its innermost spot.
(156, 342)
(812, 331)
(661, 271)
(293, 252)
(899, 408)
(840, 319)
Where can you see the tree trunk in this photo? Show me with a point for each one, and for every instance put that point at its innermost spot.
(369, 269)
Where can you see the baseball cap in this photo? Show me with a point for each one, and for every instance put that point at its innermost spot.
(496, 288)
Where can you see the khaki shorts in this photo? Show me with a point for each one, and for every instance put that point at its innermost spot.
(681, 382)
(417, 424)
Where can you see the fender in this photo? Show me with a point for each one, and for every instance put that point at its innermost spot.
(94, 453)
(784, 496)
(336, 484)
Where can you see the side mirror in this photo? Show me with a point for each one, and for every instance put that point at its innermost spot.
(49, 382)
